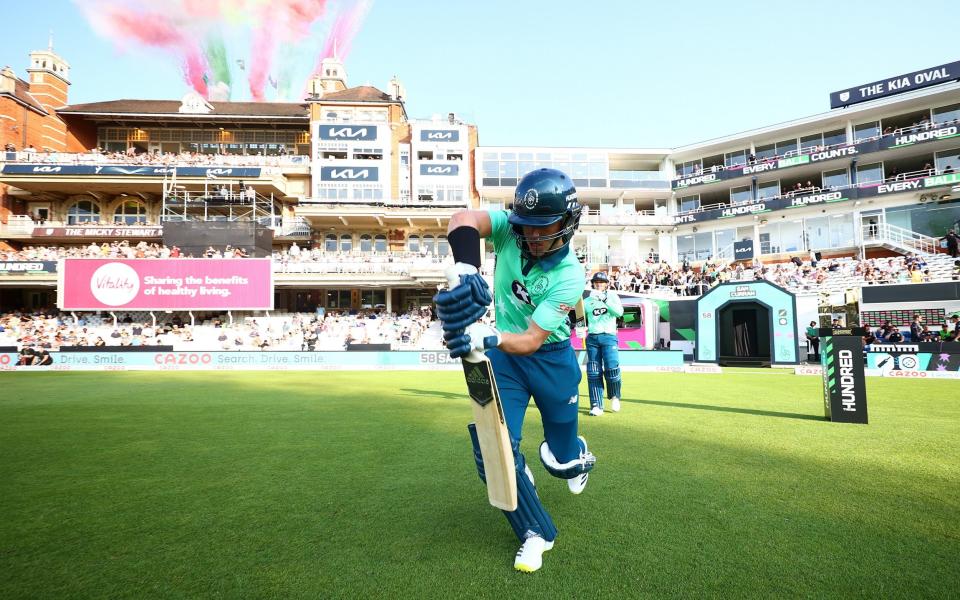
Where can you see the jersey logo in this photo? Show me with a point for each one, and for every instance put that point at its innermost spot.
(599, 311)
(539, 285)
(520, 292)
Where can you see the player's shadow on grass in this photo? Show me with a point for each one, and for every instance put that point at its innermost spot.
(710, 407)
(439, 394)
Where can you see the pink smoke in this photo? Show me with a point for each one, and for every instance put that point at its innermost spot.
(287, 20)
(184, 27)
(344, 29)
(158, 30)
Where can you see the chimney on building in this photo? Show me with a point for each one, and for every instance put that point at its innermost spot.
(397, 91)
(8, 81)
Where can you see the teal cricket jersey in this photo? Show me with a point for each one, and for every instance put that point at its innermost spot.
(602, 316)
(544, 295)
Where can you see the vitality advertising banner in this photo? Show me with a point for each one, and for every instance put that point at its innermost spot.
(165, 284)
(132, 170)
(844, 384)
(896, 85)
(26, 267)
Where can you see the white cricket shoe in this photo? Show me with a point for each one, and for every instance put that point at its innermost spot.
(530, 555)
(596, 411)
(577, 484)
(615, 404)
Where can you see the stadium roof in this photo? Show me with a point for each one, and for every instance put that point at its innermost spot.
(21, 95)
(362, 93)
(129, 107)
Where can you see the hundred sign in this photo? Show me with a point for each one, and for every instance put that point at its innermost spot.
(824, 197)
(933, 133)
(896, 85)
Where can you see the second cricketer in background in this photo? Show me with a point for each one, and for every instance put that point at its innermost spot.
(602, 309)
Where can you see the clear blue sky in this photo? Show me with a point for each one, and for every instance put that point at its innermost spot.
(555, 73)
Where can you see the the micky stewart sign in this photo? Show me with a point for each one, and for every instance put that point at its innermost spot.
(165, 284)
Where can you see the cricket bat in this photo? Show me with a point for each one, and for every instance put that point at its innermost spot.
(581, 316)
(495, 447)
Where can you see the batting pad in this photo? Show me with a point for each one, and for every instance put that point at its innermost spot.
(530, 518)
(613, 382)
(595, 384)
(477, 456)
(568, 470)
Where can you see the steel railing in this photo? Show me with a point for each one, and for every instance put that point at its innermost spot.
(153, 160)
(901, 238)
(819, 148)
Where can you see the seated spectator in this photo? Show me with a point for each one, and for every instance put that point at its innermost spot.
(27, 356)
(43, 358)
(944, 333)
(895, 337)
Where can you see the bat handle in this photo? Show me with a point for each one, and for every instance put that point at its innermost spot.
(454, 272)
(475, 356)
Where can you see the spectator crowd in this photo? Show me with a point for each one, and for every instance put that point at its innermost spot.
(324, 330)
(652, 276)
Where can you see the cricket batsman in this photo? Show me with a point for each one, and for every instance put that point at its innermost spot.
(537, 281)
(602, 309)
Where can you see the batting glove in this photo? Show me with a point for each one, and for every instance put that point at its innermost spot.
(478, 336)
(464, 304)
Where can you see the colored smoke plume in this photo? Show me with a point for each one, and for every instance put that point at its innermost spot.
(216, 43)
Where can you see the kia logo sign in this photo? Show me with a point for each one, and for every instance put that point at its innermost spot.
(743, 250)
(348, 174)
(439, 135)
(348, 132)
(446, 170)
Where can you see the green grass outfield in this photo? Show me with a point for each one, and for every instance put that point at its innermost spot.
(362, 485)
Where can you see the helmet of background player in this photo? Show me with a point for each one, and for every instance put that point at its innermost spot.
(599, 277)
(542, 198)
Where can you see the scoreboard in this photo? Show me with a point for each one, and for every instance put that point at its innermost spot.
(903, 318)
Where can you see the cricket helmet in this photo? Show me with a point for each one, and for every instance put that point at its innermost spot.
(599, 277)
(542, 198)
